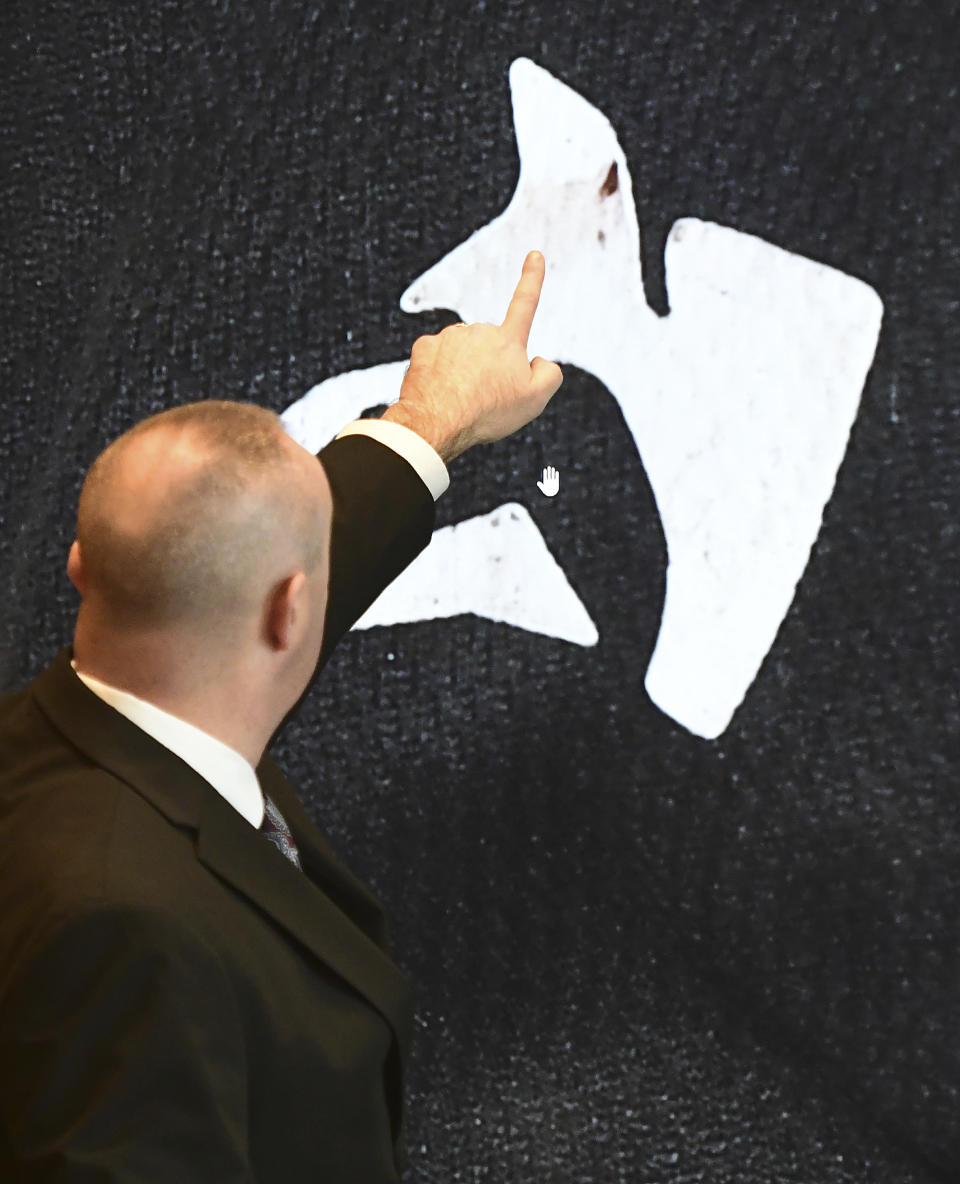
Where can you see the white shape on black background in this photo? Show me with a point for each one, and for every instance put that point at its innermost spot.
(740, 403)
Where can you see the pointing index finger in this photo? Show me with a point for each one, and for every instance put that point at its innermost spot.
(526, 297)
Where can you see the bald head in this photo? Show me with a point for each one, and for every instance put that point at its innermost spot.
(188, 519)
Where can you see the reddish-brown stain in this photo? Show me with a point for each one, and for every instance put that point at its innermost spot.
(611, 182)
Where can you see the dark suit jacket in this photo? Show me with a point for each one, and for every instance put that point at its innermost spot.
(177, 1001)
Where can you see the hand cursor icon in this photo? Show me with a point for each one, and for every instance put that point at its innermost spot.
(550, 485)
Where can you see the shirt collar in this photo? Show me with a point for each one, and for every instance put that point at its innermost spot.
(230, 774)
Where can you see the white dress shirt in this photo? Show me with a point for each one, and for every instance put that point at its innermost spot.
(231, 774)
(413, 448)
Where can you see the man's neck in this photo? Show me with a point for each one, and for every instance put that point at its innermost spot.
(220, 698)
(227, 770)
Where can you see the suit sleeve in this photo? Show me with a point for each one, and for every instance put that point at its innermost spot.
(123, 1056)
(383, 517)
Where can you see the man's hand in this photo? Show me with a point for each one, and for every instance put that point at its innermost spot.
(473, 384)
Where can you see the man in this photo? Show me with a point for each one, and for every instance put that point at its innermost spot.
(192, 988)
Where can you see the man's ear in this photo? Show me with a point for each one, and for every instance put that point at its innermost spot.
(286, 612)
(75, 568)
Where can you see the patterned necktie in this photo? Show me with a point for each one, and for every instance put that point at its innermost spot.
(277, 831)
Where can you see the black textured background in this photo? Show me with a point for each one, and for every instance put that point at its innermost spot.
(639, 956)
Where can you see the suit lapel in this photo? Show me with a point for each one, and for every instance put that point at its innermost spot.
(234, 851)
(241, 857)
(317, 857)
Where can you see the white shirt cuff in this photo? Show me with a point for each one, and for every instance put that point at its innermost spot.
(413, 448)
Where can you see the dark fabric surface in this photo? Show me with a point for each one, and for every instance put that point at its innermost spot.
(638, 955)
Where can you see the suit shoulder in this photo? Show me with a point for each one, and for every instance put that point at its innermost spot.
(71, 829)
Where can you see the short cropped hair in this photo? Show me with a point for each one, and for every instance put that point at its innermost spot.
(201, 555)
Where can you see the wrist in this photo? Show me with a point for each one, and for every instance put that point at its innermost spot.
(446, 443)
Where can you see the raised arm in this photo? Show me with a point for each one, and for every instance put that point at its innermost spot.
(467, 385)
